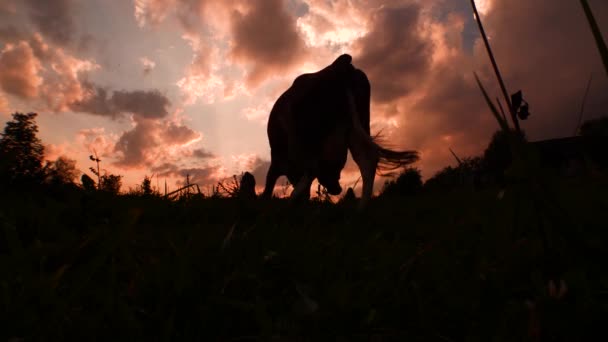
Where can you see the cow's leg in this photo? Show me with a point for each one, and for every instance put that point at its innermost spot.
(364, 152)
(367, 161)
(271, 179)
(301, 190)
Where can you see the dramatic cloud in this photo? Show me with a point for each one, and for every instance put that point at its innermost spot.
(53, 18)
(62, 84)
(235, 57)
(178, 135)
(267, 37)
(394, 54)
(202, 176)
(19, 70)
(547, 50)
(135, 144)
(147, 104)
(150, 141)
(200, 81)
(97, 140)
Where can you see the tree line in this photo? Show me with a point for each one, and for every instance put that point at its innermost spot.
(23, 166)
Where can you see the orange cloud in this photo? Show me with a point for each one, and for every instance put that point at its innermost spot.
(152, 12)
(266, 36)
(151, 141)
(19, 70)
(4, 106)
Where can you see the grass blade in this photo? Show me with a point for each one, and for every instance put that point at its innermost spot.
(503, 123)
(495, 66)
(599, 39)
(580, 117)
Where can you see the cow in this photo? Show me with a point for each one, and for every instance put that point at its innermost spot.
(314, 124)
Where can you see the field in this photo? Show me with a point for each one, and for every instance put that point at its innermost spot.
(459, 265)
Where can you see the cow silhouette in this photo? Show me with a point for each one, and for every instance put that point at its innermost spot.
(314, 124)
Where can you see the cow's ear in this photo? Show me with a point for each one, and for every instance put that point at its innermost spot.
(344, 59)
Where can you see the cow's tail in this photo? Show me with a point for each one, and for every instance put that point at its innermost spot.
(390, 160)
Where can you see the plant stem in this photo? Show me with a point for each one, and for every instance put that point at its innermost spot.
(495, 66)
(580, 118)
(601, 44)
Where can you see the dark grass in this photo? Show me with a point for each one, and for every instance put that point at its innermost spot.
(441, 266)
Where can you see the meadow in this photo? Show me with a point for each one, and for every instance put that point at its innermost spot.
(457, 265)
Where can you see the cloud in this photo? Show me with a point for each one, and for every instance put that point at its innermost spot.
(135, 147)
(8, 7)
(147, 65)
(266, 36)
(203, 176)
(96, 139)
(202, 153)
(19, 70)
(149, 104)
(53, 18)
(143, 103)
(4, 106)
(393, 53)
(200, 80)
(189, 13)
(174, 134)
(421, 70)
(11, 34)
(550, 63)
(152, 141)
(62, 84)
(151, 12)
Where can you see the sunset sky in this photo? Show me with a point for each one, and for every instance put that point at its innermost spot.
(176, 87)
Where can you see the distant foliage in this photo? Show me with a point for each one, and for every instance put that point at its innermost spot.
(146, 186)
(408, 183)
(61, 171)
(596, 133)
(470, 172)
(478, 171)
(595, 128)
(21, 151)
(111, 183)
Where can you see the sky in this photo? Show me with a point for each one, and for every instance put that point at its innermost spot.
(169, 88)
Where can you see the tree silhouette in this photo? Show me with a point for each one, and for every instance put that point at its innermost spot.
(21, 151)
(111, 183)
(146, 187)
(61, 171)
(408, 183)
